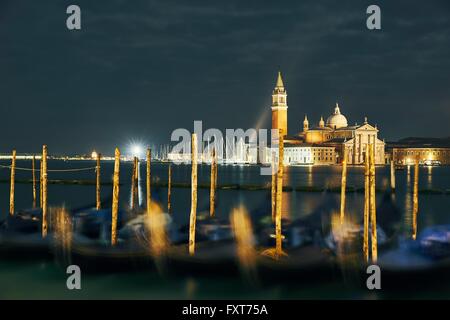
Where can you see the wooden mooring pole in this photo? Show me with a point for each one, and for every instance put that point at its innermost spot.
(277, 252)
(415, 198)
(373, 208)
(278, 236)
(133, 184)
(193, 215)
(169, 188)
(13, 176)
(366, 204)
(343, 185)
(115, 202)
(97, 184)
(33, 167)
(213, 184)
(274, 188)
(44, 191)
(148, 181)
(136, 182)
(40, 183)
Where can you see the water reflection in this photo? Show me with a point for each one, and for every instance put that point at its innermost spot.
(245, 241)
(287, 176)
(139, 193)
(384, 183)
(61, 224)
(241, 170)
(286, 205)
(191, 288)
(334, 180)
(408, 204)
(287, 195)
(430, 177)
(309, 176)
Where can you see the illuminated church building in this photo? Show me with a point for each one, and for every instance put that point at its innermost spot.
(324, 143)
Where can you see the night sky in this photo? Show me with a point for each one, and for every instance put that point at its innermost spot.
(140, 69)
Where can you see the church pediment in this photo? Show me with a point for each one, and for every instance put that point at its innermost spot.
(366, 127)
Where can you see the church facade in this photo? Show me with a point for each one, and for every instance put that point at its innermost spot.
(330, 139)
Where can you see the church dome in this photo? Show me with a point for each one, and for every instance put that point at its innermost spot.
(337, 120)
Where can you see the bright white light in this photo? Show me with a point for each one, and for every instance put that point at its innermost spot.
(94, 155)
(136, 148)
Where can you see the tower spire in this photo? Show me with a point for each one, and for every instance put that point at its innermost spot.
(280, 83)
(279, 106)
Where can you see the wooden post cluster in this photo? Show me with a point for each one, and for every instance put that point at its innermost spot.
(193, 215)
(115, 202)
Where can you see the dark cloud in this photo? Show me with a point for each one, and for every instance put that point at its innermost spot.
(139, 69)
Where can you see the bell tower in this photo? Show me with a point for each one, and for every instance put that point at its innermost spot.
(279, 106)
(305, 124)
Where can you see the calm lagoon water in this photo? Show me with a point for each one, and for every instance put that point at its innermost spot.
(40, 280)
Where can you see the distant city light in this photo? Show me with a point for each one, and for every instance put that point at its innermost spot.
(136, 149)
(94, 155)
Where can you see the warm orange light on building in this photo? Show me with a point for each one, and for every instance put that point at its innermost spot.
(279, 106)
